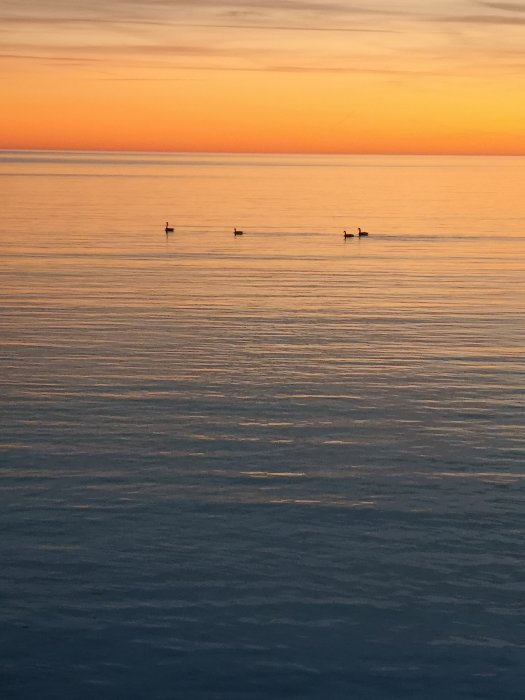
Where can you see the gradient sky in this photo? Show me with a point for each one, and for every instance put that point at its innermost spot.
(343, 76)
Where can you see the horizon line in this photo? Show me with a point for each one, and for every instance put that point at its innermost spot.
(261, 153)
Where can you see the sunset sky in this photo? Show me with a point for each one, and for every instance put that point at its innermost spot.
(334, 76)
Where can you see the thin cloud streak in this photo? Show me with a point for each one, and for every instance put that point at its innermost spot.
(287, 28)
(291, 69)
(484, 19)
(51, 59)
(129, 10)
(505, 6)
(184, 25)
(143, 50)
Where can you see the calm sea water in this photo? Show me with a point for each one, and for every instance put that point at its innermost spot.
(282, 465)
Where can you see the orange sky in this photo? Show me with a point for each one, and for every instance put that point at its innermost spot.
(370, 76)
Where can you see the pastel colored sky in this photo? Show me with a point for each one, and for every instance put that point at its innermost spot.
(342, 76)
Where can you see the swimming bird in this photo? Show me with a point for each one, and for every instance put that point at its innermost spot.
(168, 229)
(237, 233)
(348, 235)
(362, 233)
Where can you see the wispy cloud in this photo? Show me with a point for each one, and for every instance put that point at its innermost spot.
(297, 14)
(42, 21)
(245, 31)
(484, 19)
(70, 60)
(504, 6)
(254, 35)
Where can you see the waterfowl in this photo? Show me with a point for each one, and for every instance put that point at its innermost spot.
(169, 229)
(362, 233)
(348, 235)
(237, 233)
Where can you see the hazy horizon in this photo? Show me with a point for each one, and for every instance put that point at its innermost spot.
(264, 153)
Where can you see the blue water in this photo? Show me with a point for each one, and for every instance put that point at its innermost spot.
(278, 466)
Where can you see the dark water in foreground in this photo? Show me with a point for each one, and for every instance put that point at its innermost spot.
(276, 466)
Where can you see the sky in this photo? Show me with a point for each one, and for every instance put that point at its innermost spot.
(310, 76)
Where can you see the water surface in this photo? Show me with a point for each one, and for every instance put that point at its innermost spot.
(282, 465)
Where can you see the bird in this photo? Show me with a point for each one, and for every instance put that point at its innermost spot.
(168, 229)
(348, 235)
(362, 233)
(237, 233)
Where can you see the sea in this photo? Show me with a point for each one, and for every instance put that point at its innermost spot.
(282, 465)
